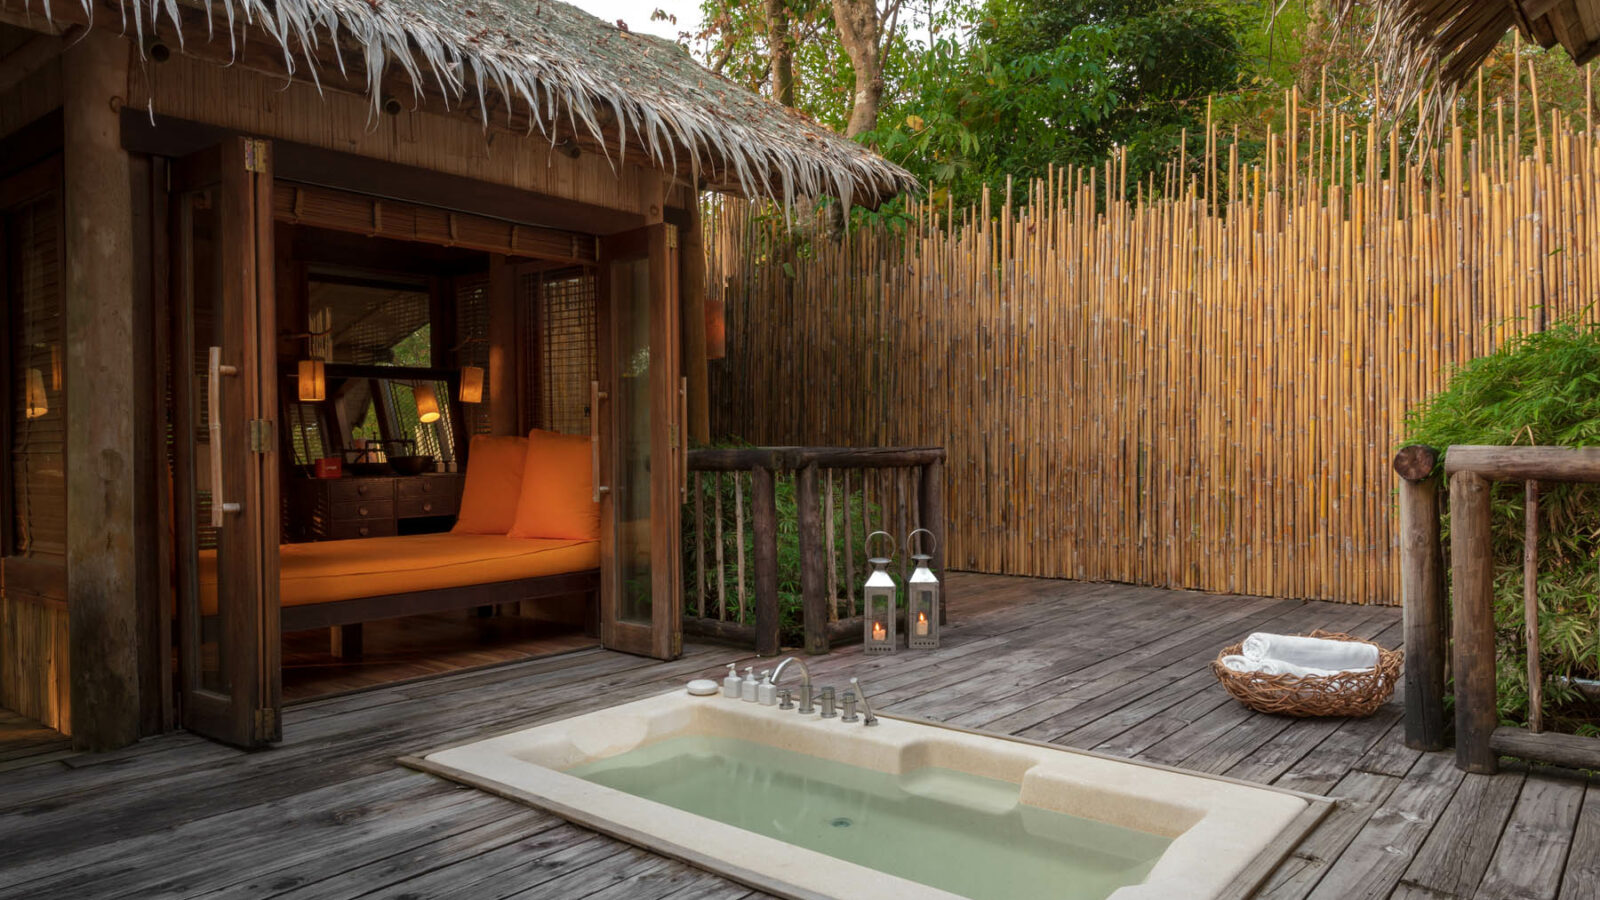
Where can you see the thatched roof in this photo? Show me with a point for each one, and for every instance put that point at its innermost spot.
(1448, 39)
(554, 69)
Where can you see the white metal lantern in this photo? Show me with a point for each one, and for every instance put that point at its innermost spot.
(922, 598)
(878, 602)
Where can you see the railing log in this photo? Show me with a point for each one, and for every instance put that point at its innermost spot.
(1570, 750)
(764, 525)
(1472, 586)
(1581, 464)
(1422, 598)
(812, 593)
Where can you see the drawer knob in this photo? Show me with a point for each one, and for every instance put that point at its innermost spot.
(364, 531)
(362, 510)
(362, 489)
(427, 507)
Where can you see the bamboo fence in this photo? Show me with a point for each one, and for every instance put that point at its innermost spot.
(1199, 385)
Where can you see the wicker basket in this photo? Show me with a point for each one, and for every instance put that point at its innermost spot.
(1288, 695)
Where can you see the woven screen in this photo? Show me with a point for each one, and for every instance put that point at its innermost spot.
(372, 325)
(472, 333)
(36, 407)
(562, 321)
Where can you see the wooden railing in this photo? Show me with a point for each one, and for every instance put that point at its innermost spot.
(840, 496)
(1472, 470)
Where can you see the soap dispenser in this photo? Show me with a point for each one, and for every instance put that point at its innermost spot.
(748, 689)
(732, 686)
(766, 691)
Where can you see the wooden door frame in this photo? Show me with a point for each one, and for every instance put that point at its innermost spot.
(663, 637)
(240, 170)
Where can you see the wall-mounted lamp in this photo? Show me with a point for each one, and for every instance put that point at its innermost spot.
(38, 403)
(313, 380)
(471, 384)
(427, 403)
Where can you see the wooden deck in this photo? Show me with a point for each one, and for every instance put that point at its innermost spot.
(1120, 669)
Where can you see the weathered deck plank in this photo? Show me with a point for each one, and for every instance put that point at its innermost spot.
(329, 815)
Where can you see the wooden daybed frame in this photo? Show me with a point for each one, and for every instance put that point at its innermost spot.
(347, 616)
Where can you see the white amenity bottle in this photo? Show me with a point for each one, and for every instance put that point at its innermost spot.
(766, 691)
(732, 686)
(748, 689)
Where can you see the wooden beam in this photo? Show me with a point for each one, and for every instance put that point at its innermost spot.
(103, 537)
(1570, 750)
(1525, 463)
(39, 51)
(1472, 588)
(503, 389)
(1422, 598)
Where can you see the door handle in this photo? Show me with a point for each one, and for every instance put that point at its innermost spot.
(683, 438)
(595, 396)
(215, 372)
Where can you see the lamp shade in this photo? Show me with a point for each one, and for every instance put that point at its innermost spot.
(38, 403)
(313, 380)
(427, 403)
(471, 384)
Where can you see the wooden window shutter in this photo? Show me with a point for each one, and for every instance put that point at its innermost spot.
(559, 321)
(36, 407)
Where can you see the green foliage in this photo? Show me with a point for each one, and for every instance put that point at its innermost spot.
(1540, 388)
(1042, 83)
(790, 609)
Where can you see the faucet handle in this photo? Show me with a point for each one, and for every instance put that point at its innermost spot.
(848, 701)
(785, 699)
(827, 696)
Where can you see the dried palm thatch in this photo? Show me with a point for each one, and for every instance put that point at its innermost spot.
(1440, 43)
(552, 68)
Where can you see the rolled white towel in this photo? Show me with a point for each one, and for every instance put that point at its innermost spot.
(1311, 653)
(1239, 663)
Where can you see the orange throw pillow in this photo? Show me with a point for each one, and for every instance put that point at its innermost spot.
(494, 483)
(557, 489)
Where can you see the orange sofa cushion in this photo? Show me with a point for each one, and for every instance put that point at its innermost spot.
(493, 484)
(557, 489)
(329, 571)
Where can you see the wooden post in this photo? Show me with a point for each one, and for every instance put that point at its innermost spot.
(1422, 597)
(103, 538)
(764, 525)
(813, 601)
(504, 408)
(1530, 605)
(1472, 587)
(932, 506)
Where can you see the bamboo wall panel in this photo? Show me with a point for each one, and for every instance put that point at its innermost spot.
(1199, 386)
(34, 677)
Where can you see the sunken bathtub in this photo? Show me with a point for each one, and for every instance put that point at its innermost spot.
(807, 807)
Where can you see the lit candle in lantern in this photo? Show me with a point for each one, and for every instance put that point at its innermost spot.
(878, 633)
(922, 624)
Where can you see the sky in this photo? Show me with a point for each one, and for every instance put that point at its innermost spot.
(637, 14)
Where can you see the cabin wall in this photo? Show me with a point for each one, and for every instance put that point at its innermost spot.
(34, 632)
(263, 105)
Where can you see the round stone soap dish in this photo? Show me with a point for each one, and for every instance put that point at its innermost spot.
(703, 687)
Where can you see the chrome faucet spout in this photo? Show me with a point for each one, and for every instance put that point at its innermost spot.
(866, 704)
(805, 683)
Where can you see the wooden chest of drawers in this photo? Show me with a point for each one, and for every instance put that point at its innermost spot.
(336, 509)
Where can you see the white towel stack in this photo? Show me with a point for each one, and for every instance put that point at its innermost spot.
(1282, 654)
